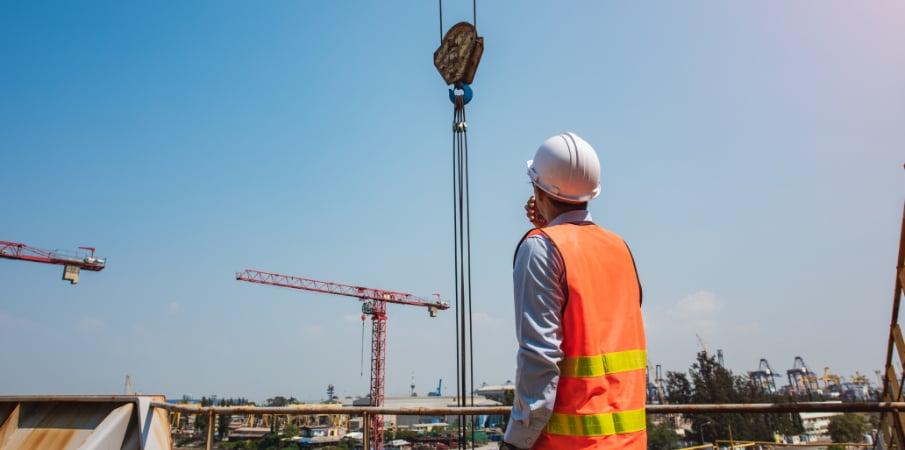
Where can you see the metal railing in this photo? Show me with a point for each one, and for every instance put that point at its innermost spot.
(367, 412)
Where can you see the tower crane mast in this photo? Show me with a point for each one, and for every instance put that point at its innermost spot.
(375, 305)
(71, 262)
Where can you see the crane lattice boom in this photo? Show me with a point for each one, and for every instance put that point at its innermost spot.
(15, 250)
(375, 306)
(71, 262)
(255, 276)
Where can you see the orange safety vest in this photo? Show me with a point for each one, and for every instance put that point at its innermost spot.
(602, 386)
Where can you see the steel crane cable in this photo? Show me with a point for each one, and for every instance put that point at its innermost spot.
(361, 366)
(474, 16)
(462, 261)
(457, 59)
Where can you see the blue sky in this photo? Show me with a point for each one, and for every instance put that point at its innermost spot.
(751, 152)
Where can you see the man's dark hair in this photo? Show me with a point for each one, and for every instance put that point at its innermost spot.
(566, 206)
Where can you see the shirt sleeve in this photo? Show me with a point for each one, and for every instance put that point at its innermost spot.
(538, 282)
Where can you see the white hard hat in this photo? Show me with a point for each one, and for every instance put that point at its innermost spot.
(566, 167)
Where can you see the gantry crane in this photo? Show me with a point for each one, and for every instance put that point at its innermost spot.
(71, 262)
(764, 377)
(832, 383)
(375, 305)
(802, 380)
(655, 391)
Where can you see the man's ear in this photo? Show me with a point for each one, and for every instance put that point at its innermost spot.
(538, 193)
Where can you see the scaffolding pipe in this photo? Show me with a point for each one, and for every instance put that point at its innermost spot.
(725, 408)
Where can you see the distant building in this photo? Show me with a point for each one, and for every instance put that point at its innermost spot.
(398, 444)
(816, 425)
(409, 421)
(245, 433)
(498, 393)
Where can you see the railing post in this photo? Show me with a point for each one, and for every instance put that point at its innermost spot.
(365, 430)
(210, 429)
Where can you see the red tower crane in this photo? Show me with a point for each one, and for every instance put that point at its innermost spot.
(375, 305)
(71, 262)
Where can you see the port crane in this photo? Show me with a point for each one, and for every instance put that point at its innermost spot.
(802, 380)
(437, 393)
(655, 392)
(72, 263)
(832, 383)
(375, 305)
(765, 376)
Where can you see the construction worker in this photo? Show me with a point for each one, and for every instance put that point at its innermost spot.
(580, 380)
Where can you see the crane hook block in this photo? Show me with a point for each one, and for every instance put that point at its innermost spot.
(459, 53)
(467, 93)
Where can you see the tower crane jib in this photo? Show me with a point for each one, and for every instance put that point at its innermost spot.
(72, 262)
(375, 305)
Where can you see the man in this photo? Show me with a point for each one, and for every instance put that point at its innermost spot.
(580, 381)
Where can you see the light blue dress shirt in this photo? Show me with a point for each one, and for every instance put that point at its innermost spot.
(539, 284)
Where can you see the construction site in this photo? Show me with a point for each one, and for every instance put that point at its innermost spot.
(753, 166)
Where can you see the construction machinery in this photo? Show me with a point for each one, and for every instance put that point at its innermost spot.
(374, 304)
(832, 383)
(764, 377)
(437, 393)
(655, 392)
(803, 381)
(860, 380)
(72, 262)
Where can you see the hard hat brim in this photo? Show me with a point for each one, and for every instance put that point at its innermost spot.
(535, 178)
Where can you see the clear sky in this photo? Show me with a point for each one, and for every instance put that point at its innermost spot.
(752, 157)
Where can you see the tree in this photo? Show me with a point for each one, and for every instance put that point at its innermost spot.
(201, 419)
(661, 435)
(508, 397)
(279, 400)
(709, 382)
(290, 430)
(223, 421)
(848, 427)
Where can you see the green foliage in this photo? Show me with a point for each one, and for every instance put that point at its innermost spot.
(661, 435)
(708, 382)
(508, 397)
(847, 427)
(404, 434)
(279, 400)
(290, 430)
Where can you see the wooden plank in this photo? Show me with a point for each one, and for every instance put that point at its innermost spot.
(897, 419)
(900, 350)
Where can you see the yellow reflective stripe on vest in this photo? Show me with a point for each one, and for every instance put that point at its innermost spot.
(597, 424)
(599, 365)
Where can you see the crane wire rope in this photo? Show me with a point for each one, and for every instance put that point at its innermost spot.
(361, 365)
(460, 77)
(474, 16)
(462, 263)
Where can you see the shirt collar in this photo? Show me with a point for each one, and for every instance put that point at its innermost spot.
(576, 215)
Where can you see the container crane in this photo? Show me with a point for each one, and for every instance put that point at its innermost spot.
(832, 383)
(765, 376)
(375, 304)
(860, 380)
(655, 392)
(72, 263)
(802, 380)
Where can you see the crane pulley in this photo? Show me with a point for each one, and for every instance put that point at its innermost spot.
(375, 304)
